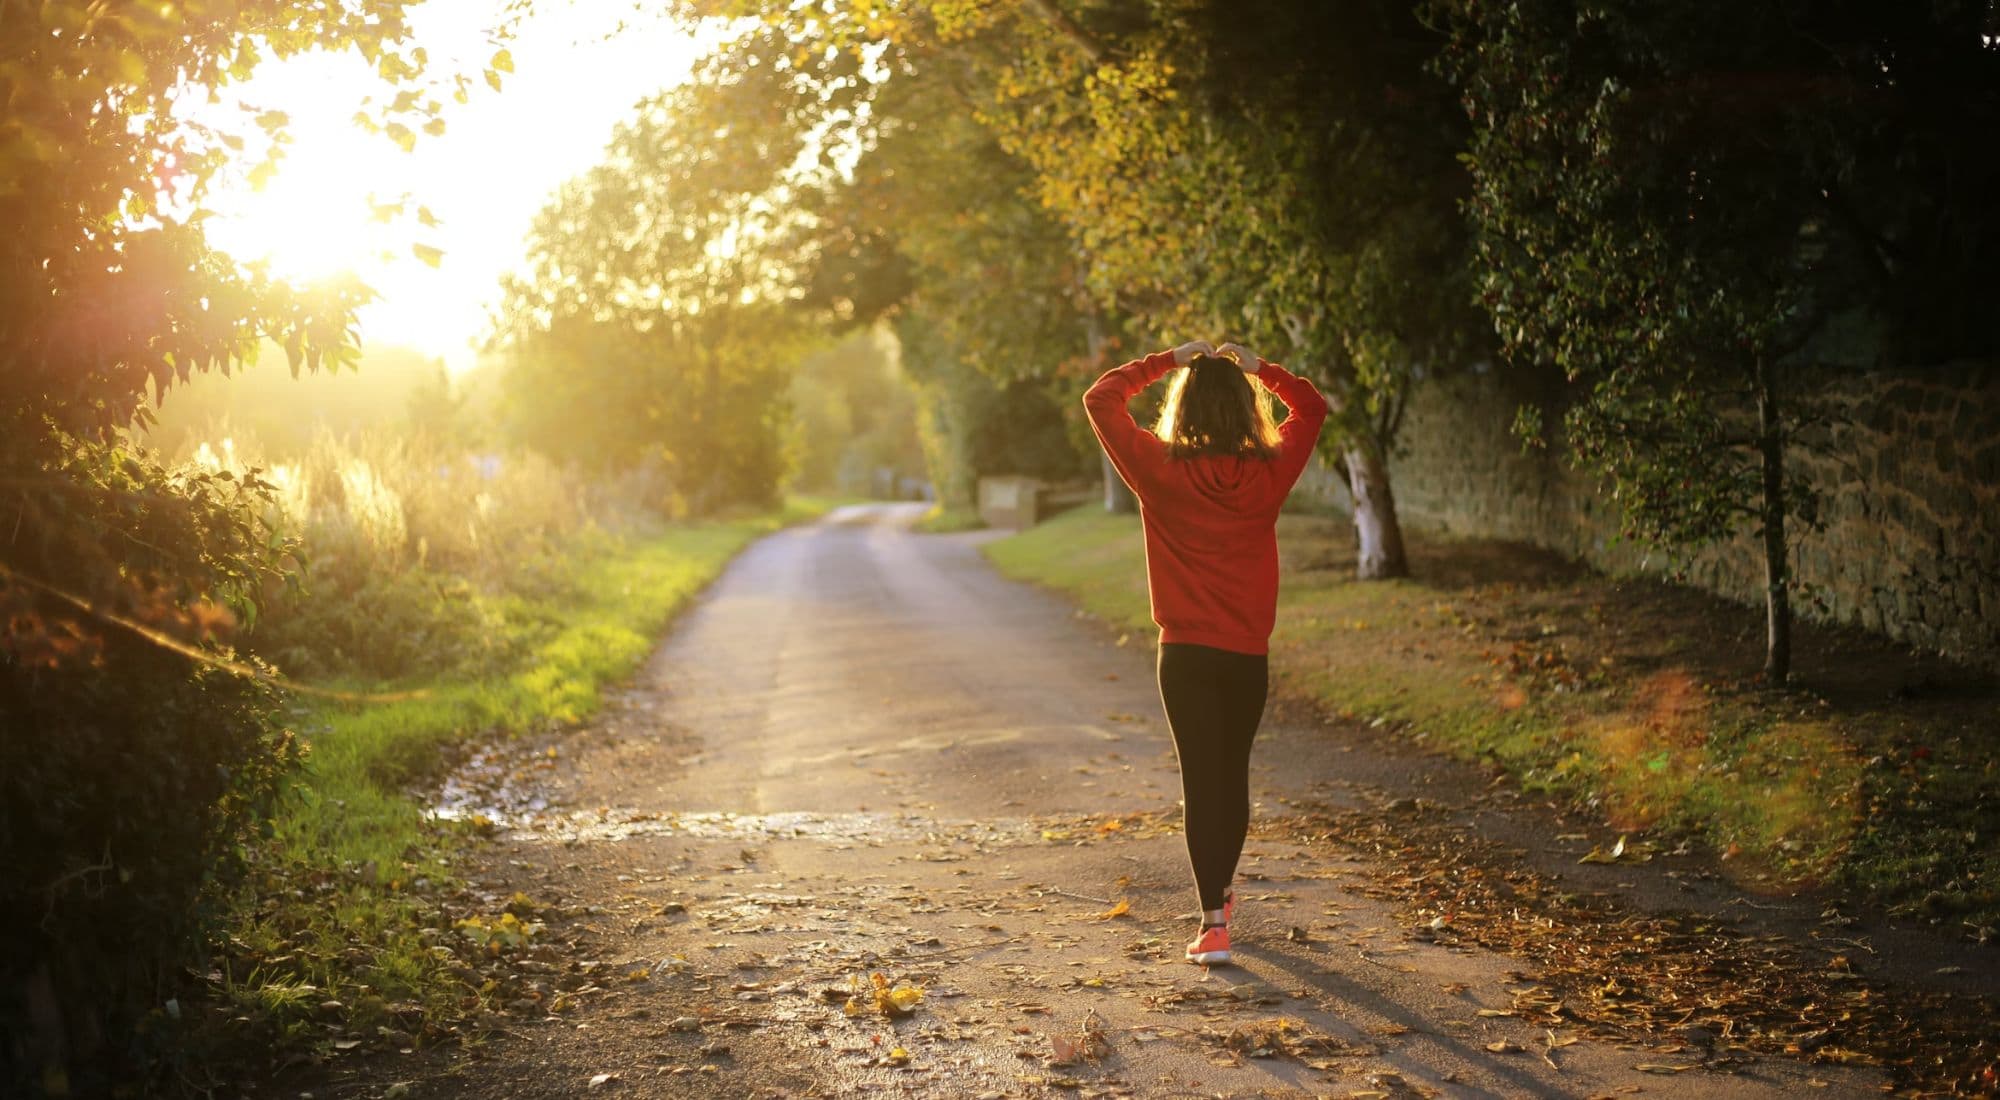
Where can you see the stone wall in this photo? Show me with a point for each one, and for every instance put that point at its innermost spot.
(1909, 476)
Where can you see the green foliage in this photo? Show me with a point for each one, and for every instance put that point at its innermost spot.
(132, 773)
(1644, 234)
(414, 559)
(931, 230)
(391, 389)
(129, 791)
(1285, 178)
(1669, 199)
(854, 418)
(973, 424)
(134, 765)
(655, 323)
(1673, 203)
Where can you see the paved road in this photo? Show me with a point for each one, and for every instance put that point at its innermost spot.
(864, 752)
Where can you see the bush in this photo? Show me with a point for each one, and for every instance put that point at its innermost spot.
(415, 551)
(133, 764)
(126, 794)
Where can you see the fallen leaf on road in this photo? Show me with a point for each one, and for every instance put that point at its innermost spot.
(1664, 1067)
(1620, 853)
(1123, 907)
(1597, 854)
(602, 1080)
(1087, 1044)
(880, 996)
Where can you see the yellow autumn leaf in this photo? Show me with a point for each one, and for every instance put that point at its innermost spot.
(1123, 907)
(880, 996)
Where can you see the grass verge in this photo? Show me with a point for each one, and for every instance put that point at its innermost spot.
(941, 520)
(1875, 772)
(356, 933)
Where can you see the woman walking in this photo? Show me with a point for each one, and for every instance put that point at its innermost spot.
(1210, 479)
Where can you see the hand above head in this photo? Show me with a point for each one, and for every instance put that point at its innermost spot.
(1244, 357)
(1185, 354)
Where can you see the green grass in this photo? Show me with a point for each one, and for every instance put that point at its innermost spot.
(606, 616)
(346, 902)
(1094, 557)
(942, 521)
(605, 619)
(1626, 698)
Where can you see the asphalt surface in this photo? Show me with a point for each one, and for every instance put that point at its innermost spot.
(864, 752)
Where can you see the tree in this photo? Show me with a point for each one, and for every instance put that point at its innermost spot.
(1671, 202)
(997, 334)
(1282, 174)
(135, 758)
(925, 226)
(658, 320)
(854, 418)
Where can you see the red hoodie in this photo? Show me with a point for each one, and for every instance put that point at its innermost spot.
(1211, 521)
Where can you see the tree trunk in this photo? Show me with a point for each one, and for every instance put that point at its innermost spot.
(1118, 498)
(1379, 534)
(1777, 594)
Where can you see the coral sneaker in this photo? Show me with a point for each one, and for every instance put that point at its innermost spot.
(1211, 948)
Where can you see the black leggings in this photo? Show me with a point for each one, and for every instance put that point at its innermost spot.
(1214, 699)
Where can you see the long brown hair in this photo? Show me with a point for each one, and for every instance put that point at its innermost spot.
(1212, 409)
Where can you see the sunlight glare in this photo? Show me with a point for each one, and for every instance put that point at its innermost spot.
(496, 164)
(314, 218)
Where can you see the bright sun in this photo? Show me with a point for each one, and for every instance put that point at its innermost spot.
(496, 164)
(313, 218)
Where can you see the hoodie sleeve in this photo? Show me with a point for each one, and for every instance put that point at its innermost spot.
(1134, 451)
(1300, 431)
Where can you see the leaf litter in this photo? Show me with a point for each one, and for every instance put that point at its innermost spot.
(1612, 972)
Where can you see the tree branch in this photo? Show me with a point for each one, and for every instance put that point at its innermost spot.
(1063, 25)
(172, 644)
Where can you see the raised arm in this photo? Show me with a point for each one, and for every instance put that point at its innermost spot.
(1300, 430)
(1133, 450)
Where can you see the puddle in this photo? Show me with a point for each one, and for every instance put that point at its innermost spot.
(497, 783)
(857, 828)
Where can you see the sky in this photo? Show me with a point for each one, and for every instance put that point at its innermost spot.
(485, 178)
